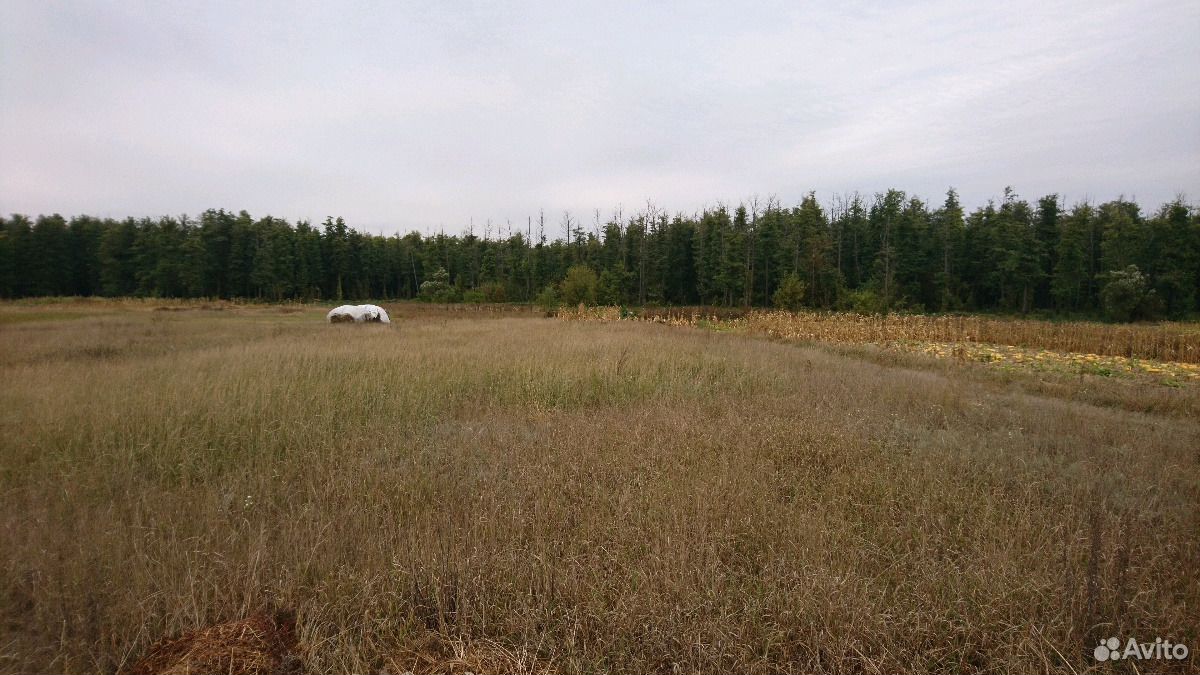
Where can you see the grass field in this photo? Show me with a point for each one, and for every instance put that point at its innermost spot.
(531, 494)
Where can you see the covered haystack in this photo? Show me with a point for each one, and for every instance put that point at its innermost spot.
(358, 314)
(263, 643)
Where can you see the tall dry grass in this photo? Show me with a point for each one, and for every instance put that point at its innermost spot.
(1161, 341)
(589, 496)
(1166, 341)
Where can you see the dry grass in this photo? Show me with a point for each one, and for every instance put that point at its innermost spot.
(262, 644)
(522, 494)
(1171, 373)
(435, 654)
(1161, 342)
(1166, 341)
(1167, 353)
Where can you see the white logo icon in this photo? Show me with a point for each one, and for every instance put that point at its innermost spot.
(1107, 650)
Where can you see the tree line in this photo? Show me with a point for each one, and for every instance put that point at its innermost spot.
(889, 251)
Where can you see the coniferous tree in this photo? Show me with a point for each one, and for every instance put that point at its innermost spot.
(49, 267)
(946, 230)
(1046, 233)
(1011, 256)
(7, 261)
(1018, 254)
(1171, 256)
(118, 266)
(1072, 282)
(1119, 222)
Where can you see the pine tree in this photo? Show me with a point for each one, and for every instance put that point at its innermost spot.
(1046, 232)
(946, 227)
(1172, 257)
(1072, 281)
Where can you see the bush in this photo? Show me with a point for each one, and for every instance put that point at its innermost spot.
(547, 299)
(437, 288)
(494, 292)
(790, 294)
(608, 288)
(1127, 296)
(863, 301)
(579, 287)
(474, 297)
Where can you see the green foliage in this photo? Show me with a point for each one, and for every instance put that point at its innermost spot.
(879, 253)
(437, 288)
(494, 292)
(547, 299)
(864, 301)
(1072, 285)
(579, 286)
(1127, 295)
(608, 288)
(790, 295)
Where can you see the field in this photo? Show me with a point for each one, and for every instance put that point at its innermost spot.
(492, 490)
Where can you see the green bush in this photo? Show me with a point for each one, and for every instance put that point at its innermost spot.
(863, 301)
(494, 292)
(437, 288)
(547, 299)
(608, 288)
(579, 287)
(790, 294)
(1127, 295)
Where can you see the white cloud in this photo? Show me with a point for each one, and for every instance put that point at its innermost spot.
(434, 115)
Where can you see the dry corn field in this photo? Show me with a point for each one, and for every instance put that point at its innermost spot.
(495, 491)
(1167, 352)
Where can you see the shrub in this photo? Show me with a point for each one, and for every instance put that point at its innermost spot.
(494, 292)
(579, 287)
(608, 288)
(437, 287)
(790, 294)
(1127, 296)
(863, 301)
(547, 299)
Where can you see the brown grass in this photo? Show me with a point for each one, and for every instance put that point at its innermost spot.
(1166, 341)
(575, 496)
(263, 644)
(435, 654)
(1162, 341)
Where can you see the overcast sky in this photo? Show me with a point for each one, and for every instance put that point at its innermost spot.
(426, 115)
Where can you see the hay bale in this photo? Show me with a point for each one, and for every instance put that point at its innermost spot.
(358, 313)
(261, 644)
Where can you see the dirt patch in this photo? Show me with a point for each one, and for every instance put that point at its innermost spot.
(341, 318)
(263, 643)
(436, 654)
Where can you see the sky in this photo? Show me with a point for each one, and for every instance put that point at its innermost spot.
(445, 115)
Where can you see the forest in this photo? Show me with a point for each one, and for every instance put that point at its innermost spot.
(887, 252)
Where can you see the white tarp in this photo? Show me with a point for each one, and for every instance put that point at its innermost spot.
(360, 313)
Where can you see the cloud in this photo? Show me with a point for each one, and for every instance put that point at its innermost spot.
(429, 115)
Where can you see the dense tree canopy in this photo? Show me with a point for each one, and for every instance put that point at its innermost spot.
(891, 251)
